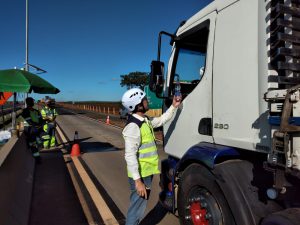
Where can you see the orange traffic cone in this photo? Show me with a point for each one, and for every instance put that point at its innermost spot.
(107, 120)
(75, 147)
(75, 150)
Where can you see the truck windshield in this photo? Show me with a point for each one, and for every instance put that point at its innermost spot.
(190, 65)
(190, 59)
(190, 68)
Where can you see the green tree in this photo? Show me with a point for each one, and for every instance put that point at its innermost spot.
(134, 79)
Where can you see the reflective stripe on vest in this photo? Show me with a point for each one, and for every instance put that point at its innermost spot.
(147, 152)
(46, 137)
(147, 145)
(146, 155)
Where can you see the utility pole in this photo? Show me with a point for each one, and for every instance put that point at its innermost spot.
(26, 51)
(27, 26)
(26, 68)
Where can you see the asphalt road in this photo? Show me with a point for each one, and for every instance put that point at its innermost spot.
(103, 149)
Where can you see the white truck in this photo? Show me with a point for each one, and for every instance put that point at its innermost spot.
(234, 143)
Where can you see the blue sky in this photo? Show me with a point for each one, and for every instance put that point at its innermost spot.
(85, 45)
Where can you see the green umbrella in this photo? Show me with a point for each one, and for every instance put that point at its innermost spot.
(14, 80)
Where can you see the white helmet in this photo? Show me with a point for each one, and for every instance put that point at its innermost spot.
(132, 98)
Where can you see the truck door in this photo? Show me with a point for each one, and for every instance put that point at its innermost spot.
(192, 65)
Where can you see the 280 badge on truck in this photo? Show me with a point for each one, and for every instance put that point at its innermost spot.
(221, 126)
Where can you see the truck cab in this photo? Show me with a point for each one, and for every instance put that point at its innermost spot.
(236, 61)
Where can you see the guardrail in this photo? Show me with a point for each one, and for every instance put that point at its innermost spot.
(7, 117)
(107, 110)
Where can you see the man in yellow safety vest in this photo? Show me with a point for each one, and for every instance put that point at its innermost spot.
(32, 126)
(140, 149)
(49, 115)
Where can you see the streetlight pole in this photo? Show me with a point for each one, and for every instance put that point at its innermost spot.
(27, 65)
(27, 26)
(26, 46)
(26, 69)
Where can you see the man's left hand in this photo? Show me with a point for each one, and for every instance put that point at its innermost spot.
(176, 101)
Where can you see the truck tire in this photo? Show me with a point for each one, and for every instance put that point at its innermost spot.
(286, 217)
(200, 200)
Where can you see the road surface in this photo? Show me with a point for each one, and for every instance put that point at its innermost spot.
(103, 153)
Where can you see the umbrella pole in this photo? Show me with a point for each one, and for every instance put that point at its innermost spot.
(13, 115)
(3, 126)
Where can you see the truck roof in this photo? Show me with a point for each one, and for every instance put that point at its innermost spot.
(216, 5)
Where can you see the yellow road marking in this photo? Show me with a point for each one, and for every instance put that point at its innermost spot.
(101, 205)
(81, 198)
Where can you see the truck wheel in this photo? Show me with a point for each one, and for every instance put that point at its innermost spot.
(286, 217)
(200, 200)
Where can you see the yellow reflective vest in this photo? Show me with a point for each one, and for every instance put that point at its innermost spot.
(48, 114)
(31, 117)
(147, 153)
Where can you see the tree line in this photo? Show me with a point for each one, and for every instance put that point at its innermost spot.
(134, 79)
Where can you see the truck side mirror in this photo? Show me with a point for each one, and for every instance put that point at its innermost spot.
(156, 81)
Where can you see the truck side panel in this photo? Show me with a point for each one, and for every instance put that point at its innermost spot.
(238, 73)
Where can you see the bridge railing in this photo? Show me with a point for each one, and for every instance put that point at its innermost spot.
(105, 109)
(7, 117)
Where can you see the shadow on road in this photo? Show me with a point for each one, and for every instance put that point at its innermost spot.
(54, 199)
(61, 112)
(97, 147)
(71, 142)
(155, 216)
